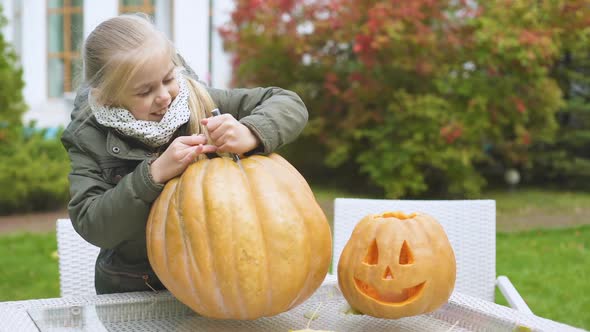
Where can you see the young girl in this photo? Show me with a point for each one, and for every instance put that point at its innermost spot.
(139, 120)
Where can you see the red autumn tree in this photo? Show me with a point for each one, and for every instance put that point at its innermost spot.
(416, 93)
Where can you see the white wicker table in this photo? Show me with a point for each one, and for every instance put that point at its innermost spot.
(149, 311)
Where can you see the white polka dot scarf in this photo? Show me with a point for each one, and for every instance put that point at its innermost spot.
(152, 133)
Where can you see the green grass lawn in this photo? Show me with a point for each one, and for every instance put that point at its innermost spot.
(28, 266)
(550, 268)
(527, 199)
(526, 209)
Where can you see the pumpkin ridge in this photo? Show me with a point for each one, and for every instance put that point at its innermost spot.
(218, 301)
(163, 226)
(263, 236)
(422, 235)
(148, 234)
(296, 203)
(431, 227)
(268, 166)
(171, 223)
(308, 253)
(237, 284)
(155, 220)
(188, 257)
(301, 207)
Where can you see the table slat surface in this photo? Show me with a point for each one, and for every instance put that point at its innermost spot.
(144, 311)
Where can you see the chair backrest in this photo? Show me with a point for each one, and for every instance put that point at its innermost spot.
(470, 226)
(76, 261)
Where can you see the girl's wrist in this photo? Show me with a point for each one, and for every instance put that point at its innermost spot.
(153, 171)
(252, 142)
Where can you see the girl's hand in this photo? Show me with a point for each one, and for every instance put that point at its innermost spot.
(229, 135)
(181, 152)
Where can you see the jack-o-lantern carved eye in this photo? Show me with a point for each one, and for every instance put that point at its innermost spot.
(405, 255)
(372, 257)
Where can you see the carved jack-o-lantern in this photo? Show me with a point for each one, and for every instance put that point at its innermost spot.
(396, 265)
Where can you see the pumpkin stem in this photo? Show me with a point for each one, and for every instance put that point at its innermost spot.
(397, 214)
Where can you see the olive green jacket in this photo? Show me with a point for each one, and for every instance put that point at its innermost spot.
(112, 192)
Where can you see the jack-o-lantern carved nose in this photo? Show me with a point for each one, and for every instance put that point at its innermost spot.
(388, 275)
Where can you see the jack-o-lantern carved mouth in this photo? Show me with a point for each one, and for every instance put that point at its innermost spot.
(405, 296)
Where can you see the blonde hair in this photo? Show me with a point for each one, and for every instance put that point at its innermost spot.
(119, 47)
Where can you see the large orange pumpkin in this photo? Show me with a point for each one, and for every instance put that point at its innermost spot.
(396, 265)
(239, 243)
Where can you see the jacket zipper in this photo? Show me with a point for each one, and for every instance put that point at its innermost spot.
(144, 276)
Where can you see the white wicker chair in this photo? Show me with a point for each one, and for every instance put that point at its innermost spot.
(470, 226)
(76, 261)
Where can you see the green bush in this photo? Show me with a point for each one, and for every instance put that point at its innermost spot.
(566, 161)
(33, 172)
(12, 106)
(34, 165)
(420, 95)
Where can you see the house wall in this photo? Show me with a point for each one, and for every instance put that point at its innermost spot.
(98, 11)
(191, 33)
(222, 71)
(187, 24)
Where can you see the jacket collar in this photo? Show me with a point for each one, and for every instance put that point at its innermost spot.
(119, 147)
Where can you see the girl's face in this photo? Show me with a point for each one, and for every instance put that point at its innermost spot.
(151, 90)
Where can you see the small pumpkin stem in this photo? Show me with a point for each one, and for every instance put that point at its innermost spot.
(397, 214)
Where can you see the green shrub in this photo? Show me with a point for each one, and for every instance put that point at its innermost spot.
(12, 105)
(33, 172)
(34, 165)
(419, 94)
(566, 161)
